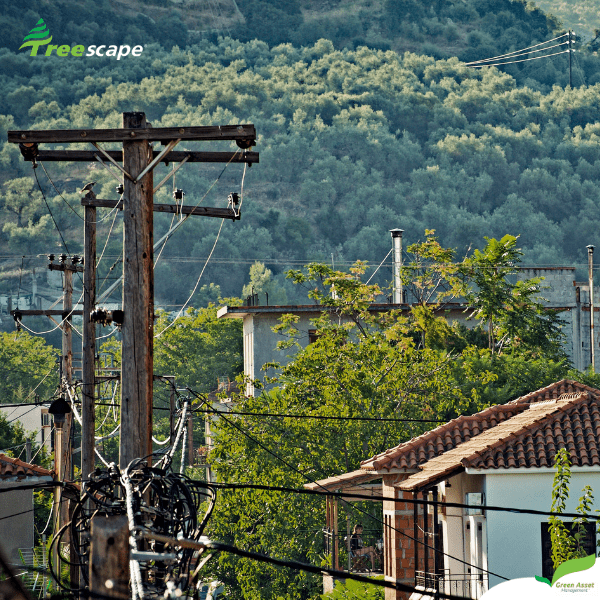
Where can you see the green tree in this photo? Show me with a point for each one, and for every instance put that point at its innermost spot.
(262, 283)
(360, 366)
(198, 348)
(354, 589)
(22, 199)
(513, 312)
(26, 366)
(567, 543)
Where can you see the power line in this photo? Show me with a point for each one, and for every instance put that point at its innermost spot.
(296, 565)
(53, 219)
(61, 196)
(517, 61)
(212, 249)
(525, 511)
(326, 418)
(277, 457)
(523, 50)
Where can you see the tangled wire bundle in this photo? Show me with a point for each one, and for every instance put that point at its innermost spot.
(156, 502)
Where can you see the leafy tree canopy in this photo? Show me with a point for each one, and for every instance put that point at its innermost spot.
(362, 364)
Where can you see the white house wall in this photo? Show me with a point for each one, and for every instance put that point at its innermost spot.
(16, 531)
(514, 543)
(452, 521)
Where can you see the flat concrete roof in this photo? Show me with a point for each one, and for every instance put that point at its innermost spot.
(239, 312)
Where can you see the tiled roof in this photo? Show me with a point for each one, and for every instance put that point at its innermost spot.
(14, 468)
(554, 390)
(340, 482)
(529, 439)
(577, 429)
(442, 439)
(419, 450)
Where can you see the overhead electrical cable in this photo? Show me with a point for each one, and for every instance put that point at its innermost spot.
(209, 256)
(169, 233)
(54, 220)
(58, 325)
(525, 511)
(522, 50)
(56, 189)
(310, 480)
(295, 565)
(517, 61)
(518, 55)
(380, 264)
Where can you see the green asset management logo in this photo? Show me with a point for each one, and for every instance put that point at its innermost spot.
(40, 36)
(572, 566)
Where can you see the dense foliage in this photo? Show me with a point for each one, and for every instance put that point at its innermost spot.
(29, 368)
(351, 143)
(408, 370)
(568, 538)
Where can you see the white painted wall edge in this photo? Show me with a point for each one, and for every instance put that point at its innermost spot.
(529, 470)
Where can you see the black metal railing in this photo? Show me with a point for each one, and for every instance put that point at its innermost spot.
(467, 585)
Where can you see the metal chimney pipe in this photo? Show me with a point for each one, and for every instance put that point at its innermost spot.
(590, 250)
(397, 245)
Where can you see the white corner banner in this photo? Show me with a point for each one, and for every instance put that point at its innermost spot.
(579, 577)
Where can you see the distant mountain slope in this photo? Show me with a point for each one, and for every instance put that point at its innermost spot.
(583, 16)
(351, 142)
(468, 29)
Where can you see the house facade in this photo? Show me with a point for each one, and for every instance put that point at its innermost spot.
(500, 457)
(16, 504)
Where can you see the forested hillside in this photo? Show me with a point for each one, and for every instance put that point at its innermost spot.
(353, 142)
(582, 16)
(467, 29)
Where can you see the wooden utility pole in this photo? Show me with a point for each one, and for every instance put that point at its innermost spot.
(88, 411)
(109, 557)
(138, 161)
(68, 266)
(138, 298)
(67, 376)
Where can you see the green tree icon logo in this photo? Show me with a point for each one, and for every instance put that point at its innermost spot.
(38, 36)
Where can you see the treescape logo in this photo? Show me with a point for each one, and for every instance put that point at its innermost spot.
(40, 36)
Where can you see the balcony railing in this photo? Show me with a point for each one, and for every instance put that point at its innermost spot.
(467, 585)
(336, 546)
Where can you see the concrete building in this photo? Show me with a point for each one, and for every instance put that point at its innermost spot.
(260, 340)
(560, 289)
(34, 419)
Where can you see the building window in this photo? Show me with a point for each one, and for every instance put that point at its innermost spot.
(589, 545)
(313, 336)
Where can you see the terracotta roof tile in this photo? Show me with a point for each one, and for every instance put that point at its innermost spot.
(420, 450)
(15, 468)
(517, 442)
(339, 482)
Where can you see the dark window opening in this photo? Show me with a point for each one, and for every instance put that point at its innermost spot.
(589, 545)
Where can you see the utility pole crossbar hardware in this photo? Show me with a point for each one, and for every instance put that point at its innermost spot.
(138, 159)
(211, 133)
(203, 211)
(36, 312)
(137, 190)
(173, 157)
